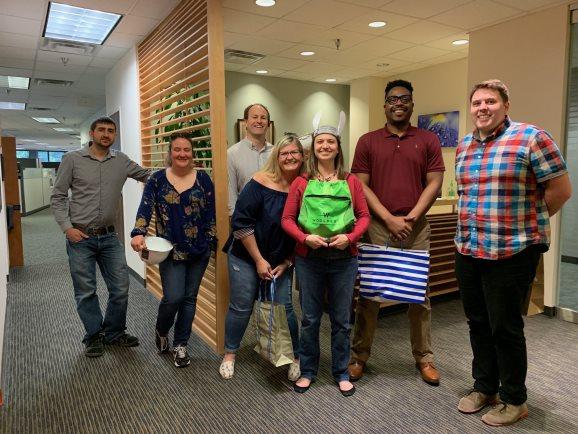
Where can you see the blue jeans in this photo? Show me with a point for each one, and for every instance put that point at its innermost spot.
(243, 290)
(181, 281)
(314, 276)
(108, 253)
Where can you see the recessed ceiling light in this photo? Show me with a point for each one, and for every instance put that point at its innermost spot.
(14, 82)
(4, 105)
(307, 53)
(265, 3)
(70, 23)
(64, 130)
(262, 71)
(460, 42)
(377, 24)
(330, 80)
(28, 140)
(46, 120)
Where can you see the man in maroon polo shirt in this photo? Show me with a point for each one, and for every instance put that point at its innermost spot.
(401, 168)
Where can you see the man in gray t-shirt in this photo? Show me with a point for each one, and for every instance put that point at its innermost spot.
(95, 175)
(250, 154)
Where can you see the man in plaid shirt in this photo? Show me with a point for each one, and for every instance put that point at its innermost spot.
(511, 179)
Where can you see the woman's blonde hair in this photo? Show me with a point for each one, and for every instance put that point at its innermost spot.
(175, 136)
(272, 167)
(312, 162)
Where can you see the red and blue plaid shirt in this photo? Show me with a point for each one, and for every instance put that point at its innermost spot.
(501, 207)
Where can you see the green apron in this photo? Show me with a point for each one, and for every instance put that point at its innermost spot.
(326, 208)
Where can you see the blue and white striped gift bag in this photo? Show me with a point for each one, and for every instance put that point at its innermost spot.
(387, 273)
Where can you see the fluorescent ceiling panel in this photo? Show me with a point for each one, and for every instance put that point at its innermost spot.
(12, 105)
(14, 82)
(64, 130)
(46, 120)
(71, 23)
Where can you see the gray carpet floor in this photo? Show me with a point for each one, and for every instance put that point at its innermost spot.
(50, 387)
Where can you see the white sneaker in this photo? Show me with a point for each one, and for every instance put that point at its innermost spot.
(227, 369)
(294, 371)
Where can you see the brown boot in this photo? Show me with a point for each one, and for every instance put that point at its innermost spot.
(505, 414)
(355, 369)
(429, 373)
(475, 401)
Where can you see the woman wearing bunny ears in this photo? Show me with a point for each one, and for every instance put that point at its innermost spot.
(326, 213)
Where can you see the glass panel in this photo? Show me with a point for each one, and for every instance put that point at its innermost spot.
(22, 154)
(43, 156)
(567, 287)
(55, 157)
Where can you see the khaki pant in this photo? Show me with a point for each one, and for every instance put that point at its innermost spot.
(419, 314)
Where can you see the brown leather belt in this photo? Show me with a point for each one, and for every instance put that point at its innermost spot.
(95, 231)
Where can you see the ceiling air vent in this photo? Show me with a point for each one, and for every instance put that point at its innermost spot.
(40, 109)
(68, 47)
(51, 82)
(242, 57)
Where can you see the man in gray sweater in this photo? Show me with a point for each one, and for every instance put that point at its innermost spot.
(95, 175)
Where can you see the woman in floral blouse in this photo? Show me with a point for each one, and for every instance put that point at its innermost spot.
(183, 200)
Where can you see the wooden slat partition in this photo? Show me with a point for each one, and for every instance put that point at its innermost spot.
(182, 89)
(442, 278)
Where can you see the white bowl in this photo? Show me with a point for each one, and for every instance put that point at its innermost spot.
(158, 249)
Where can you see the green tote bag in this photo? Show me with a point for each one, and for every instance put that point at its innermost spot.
(326, 208)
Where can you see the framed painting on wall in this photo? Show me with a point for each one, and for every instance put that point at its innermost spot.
(241, 128)
(445, 125)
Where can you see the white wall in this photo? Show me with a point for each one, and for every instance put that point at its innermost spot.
(438, 88)
(534, 65)
(122, 95)
(3, 266)
(292, 103)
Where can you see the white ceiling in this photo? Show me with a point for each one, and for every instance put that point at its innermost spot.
(418, 34)
(21, 26)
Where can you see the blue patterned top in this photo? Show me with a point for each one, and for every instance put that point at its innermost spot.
(187, 219)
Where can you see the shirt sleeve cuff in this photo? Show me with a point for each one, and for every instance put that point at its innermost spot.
(243, 233)
(65, 226)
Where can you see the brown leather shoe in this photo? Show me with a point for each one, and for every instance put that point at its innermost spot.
(429, 373)
(355, 369)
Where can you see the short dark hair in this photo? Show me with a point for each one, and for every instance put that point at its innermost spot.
(102, 120)
(398, 83)
(249, 107)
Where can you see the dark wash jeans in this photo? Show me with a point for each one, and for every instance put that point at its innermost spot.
(108, 253)
(494, 294)
(314, 276)
(181, 281)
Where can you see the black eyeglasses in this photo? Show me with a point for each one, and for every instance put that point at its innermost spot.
(404, 99)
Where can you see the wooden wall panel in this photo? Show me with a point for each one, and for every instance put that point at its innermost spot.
(182, 89)
(12, 189)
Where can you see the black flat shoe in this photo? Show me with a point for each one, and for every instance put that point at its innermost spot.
(347, 393)
(302, 389)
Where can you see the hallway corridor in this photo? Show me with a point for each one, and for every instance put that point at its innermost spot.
(50, 387)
